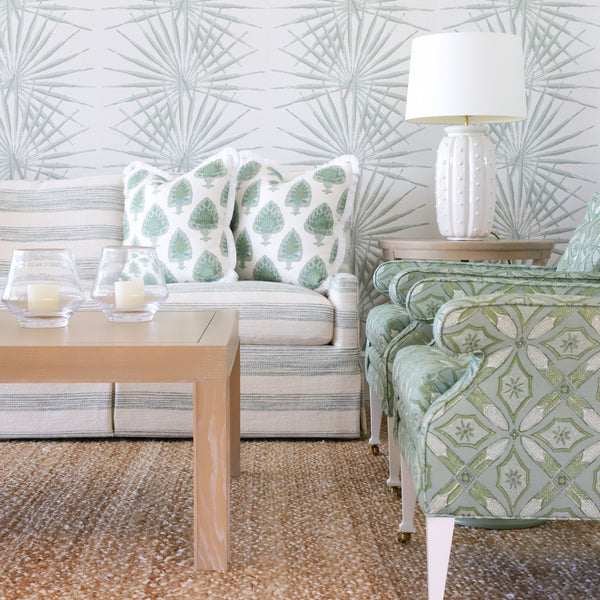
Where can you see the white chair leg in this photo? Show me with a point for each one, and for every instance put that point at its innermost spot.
(439, 542)
(376, 416)
(393, 456)
(409, 502)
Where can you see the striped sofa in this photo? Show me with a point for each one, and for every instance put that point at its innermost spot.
(300, 358)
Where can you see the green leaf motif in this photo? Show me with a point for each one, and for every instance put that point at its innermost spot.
(268, 221)
(341, 205)
(137, 203)
(223, 245)
(207, 268)
(290, 249)
(169, 277)
(251, 196)
(180, 248)
(265, 270)
(155, 223)
(225, 195)
(333, 253)
(204, 218)
(211, 171)
(136, 178)
(313, 273)
(248, 171)
(330, 176)
(243, 248)
(180, 195)
(299, 196)
(320, 223)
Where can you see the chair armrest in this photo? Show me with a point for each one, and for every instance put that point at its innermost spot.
(427, 295)
(518, 434)
(343, 295)
(387, 271)
(490, 322)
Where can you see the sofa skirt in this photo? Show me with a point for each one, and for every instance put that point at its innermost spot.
(287, 392)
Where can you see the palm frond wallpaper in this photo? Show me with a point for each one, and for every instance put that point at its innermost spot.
(89, 89)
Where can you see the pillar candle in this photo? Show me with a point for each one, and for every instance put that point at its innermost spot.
(42, 297)
(129, 294)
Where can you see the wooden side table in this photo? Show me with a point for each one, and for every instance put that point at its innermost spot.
(538, 251)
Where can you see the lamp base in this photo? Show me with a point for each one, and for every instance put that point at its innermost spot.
(465, 182)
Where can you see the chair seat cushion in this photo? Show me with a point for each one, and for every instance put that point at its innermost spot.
(275, 314)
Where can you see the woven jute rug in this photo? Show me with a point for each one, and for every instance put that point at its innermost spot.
(83, 520)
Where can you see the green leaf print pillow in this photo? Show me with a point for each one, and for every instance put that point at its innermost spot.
(185, 217)
(293, 230)
(583, 250)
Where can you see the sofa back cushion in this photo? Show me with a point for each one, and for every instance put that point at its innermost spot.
(83, 214)
(583, 250)
(293, 230)
(185, 217)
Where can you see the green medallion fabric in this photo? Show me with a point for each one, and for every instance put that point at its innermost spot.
(293, 230)
(185, 217)
(518, 434)
(583, 250)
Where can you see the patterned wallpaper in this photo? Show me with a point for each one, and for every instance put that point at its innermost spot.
(87, 90)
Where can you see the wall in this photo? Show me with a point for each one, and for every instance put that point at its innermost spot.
(169, 81)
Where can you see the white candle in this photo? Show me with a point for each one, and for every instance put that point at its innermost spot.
(42, 298)
(129, 294)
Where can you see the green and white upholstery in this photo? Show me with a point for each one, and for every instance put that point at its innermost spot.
(500, 419)
(300, 355)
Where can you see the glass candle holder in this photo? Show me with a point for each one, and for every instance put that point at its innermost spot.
(42, 288)
(129, 285)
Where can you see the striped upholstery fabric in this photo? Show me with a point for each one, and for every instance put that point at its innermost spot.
(85, 215)
(270, 313)
(289, 388)
(300, 357)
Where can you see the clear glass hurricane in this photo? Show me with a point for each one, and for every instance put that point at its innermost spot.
(43, 288)
(129, 285)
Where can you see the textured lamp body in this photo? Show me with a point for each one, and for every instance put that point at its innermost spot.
(465, 183)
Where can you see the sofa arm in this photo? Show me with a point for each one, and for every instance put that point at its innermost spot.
(343, 295)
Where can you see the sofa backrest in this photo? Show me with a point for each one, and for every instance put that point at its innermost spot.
(83, 214)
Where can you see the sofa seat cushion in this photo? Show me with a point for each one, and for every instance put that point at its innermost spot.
(274, 314)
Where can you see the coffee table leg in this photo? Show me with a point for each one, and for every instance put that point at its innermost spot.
(212, 468)
(234, 419)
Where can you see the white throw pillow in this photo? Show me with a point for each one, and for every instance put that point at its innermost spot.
(293, 230)
(185, 217)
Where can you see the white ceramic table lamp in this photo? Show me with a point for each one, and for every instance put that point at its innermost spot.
(466, 80)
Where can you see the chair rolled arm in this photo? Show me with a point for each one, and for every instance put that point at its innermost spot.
(489, 322)
(427, 295)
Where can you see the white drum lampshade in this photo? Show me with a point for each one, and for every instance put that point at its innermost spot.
(466, 80)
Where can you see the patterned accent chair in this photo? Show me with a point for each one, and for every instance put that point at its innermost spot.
(417, 289)
(500, 419)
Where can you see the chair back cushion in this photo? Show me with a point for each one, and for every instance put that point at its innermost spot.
(583, 250)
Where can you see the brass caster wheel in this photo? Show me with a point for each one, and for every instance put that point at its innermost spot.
(403, 537)
(397, 491)
(374, 449)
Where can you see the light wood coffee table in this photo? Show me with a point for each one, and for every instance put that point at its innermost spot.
(196, 346)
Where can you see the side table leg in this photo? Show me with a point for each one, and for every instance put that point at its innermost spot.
(212, 474)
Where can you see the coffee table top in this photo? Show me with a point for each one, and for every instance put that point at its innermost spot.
(174, 346)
